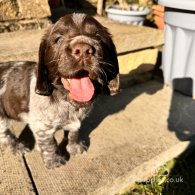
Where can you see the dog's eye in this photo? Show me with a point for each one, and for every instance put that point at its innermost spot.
(58, 39)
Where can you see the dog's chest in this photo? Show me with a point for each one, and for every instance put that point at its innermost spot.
(58, 114)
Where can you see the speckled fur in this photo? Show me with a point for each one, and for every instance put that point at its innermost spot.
(45, 118)
(33, 92)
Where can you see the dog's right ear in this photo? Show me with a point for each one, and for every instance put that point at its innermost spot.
(43, 84)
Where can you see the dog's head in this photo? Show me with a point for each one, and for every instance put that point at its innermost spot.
(79, 53)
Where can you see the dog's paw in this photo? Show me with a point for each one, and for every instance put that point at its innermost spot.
(74, 149)
(14, 145)
(55, 161)
(19, 149)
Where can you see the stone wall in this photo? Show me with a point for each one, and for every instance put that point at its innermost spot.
(23, 14)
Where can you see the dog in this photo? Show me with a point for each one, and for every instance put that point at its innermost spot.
(77, 60)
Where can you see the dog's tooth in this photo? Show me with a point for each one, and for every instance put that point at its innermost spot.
(68, 80)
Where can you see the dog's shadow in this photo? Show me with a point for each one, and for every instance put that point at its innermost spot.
(108, 105)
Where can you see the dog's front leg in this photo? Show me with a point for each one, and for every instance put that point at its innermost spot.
(73, 146)
(9, 140)
(48, 147)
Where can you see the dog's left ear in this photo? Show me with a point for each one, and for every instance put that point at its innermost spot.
(43, 84)
(114, 83)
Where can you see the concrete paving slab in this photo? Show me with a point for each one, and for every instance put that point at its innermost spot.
(128, 133)
(130, 38)
(14, 179)
(20, 45)
(23, 45)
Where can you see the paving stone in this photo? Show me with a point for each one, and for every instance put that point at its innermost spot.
(24, 44)
(14, 178)
(130, 38)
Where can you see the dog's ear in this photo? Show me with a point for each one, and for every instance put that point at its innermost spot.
(43, 84)
(114, 85)
(112, 69)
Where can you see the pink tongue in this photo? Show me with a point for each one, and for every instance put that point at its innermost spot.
(81, 89)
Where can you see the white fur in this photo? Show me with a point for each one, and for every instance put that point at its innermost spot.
(78, 18)
(4, 79)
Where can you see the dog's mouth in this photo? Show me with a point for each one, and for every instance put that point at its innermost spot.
(80, 87)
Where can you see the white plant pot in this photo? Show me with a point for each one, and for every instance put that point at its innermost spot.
(179, 49)
(127, 16)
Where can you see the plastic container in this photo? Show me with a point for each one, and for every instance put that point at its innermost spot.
(127, 16)
(179, 48)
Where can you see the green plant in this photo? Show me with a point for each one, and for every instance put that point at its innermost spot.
(176, 177)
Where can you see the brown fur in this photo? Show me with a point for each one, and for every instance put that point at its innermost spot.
(15, 100)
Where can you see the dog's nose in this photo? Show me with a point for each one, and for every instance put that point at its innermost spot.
(82, 50)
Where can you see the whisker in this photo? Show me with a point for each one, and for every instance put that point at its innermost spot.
(108, 68)
(112, 72)
(103, 73)
(106, 63)
(53, 61)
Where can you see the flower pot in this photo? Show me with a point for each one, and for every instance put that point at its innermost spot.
(135, 17)
(159, 16)
(179, 48)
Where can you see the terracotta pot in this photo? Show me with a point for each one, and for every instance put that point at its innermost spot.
(159, 15)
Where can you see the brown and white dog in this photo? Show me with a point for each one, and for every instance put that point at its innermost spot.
(77, 58)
